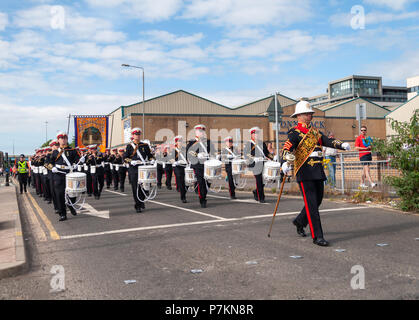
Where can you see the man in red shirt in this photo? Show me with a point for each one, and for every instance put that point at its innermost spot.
(363, 145)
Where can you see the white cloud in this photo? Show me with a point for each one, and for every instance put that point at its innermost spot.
(371, 18)
(392, 4)
(4, 21)
(172, 39)
(144, 10)
(248, 12)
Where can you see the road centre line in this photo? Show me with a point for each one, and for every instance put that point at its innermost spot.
(167, 226)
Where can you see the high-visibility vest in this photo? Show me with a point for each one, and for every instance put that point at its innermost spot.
(22, 167)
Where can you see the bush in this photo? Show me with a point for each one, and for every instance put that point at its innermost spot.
(403, 151)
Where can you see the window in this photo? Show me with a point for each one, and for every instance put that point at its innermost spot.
(366, 87)
(341, 88)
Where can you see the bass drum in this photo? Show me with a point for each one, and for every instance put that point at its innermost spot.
(190, 177)
(75, 183)
(212, 169)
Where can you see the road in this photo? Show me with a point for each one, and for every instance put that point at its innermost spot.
(98, 251)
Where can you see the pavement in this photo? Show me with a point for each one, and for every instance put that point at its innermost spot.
(181, 251)
(12, 250)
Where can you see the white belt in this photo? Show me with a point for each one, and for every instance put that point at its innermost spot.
(136, 162)
(317, 154)
(98, 165)
(62, 167)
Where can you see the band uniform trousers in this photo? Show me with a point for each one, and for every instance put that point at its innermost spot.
(89, 182)
(231, 186)
(108, 175)
(38, 184)
(202, 185)
(51, 187)
(98, 181)
(312, 191)
(59, 186)
(260, 193)
(115, 175)
(180, 181)
(23, 180)
(160, 172)
(168, 172)
(45, 186)
(122, 175)
(133, 176)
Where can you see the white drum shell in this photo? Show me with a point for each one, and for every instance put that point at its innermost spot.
(190, 177)
(147, 174)
(272, 171)
(75, 183)
(238, 166)
(212, 169)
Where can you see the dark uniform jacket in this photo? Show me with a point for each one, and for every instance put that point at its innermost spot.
(130, 153)
(194, 147)
(312, 168)
(252, 151)
(57, 158)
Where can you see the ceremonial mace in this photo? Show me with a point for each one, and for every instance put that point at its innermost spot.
(290, 158)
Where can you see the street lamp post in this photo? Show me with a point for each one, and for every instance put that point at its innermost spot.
(129, 66)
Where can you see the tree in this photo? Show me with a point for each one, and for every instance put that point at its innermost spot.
(403, 151)
(46, 144)
(73, 143)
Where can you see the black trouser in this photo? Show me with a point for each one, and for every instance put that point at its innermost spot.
(98, 181)
(202, 185)
(115, 175)
(160, 172)
(23, 180)
(231, 186)
(260, 193)
(29, 180)
(168, 171)
(38, 184)
(89, 182)
(108, 175)
(180, 181)
(45, 186)
(51, 186)
(312, 191)
(59, 186)
(133, 176)
(122, 175)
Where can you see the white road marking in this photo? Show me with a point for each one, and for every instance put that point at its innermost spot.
(188, 210)
(167, 226)
(237, 200)
(89, 210)
(120, 193)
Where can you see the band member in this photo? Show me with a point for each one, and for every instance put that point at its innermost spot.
(163, 167)
(61, 163)
(137, 154)
(256, 152)
(97, 171)
(23, 173)
(306, 143)
(114, 168)
(179, 163)
(227, 155)
(44, 176)
(121, 168)
(199, 150)
(107, 157)
(54, 145)
(38, 164)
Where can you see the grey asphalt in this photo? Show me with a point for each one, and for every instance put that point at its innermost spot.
(237, 259)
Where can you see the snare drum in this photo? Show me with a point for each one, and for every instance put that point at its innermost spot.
(190, 177)
(272, 171)
(212, 169)
(75, 183)
(147, 174)
(238, 166)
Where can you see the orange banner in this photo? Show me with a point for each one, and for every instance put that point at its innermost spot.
(91, 130)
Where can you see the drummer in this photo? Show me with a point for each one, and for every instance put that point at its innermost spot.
(61, 163)
(122, 171)
(137, 154)
(114, 163)
(97, 171)
(227, 155)
(179, 164)
(198, 151)
(255, 153)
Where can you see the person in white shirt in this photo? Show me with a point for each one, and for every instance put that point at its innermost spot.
(330, 153)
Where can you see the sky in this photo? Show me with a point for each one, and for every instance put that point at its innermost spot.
(61, 57)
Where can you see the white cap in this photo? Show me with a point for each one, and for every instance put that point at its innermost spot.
(92, 146)
(228, 138)
(61, 134)
(254, 130)
(302, 107)
(199, 127)
(136, 130)
(177, 138)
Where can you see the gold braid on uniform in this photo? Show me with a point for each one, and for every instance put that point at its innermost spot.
(336, 143)
(305, 148)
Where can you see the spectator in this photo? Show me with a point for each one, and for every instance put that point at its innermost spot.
(330, 153)
(364, 145)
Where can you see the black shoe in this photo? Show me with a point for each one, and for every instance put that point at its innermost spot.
(62, 218)
(159, 186)
(262, 201)
(49, 202)
(21, 192)
(115, 189)
(255, 195)
(89, 195)
(108, 187)
(204, 204)
(320, 242)
(233, 197)
(137, 209)
(122, 189)
(169, 188)
(73, 211)
(97, 197)
(184, 201)
(300, 228)
(57, 211)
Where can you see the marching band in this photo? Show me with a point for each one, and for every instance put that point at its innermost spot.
(62, 175)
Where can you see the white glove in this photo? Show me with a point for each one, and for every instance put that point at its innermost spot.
(286, 168)
(346, 146)
(54, 170)
(182, 162)
(202, 156)
(82, 159)
(218, 157)
(258, 160)
(230, 156)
